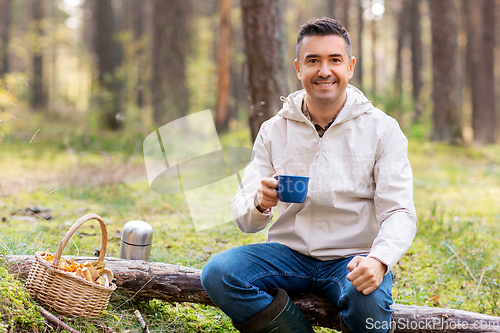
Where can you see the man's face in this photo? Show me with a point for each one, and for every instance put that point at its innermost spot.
(324, 68)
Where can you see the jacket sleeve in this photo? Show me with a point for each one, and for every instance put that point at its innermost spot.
(394, 207)
(248, 218)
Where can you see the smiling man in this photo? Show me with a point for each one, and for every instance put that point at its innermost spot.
(358, 218)
(324, 64)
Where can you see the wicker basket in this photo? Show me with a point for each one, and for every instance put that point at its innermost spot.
(63, 292)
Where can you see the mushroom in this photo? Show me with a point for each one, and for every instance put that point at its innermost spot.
(93, 272)
(108, 277)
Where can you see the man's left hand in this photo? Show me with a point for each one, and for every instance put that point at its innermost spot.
(366, 273)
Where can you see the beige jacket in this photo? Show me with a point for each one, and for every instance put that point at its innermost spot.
(360, 196)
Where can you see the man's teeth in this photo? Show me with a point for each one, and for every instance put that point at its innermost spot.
(325, 84)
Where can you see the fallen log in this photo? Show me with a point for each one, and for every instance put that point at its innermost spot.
(176, 283)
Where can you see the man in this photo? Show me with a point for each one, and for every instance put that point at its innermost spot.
(358, 218)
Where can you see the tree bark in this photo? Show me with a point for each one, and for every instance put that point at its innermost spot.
(497, 74)
(176, 283)
(330, 8)
(138, 18)
(224, 83)
(485, 120)
(401, 37)
(54, 14)
(170, 47)
(358, 71)
(265, 56)
(472, 15)
(5, 16)
(375, 64)
(345, 17)
(416, 57)
(300, 18)
(238, 71)
(444, 68)
(108, 92)
(37, 87)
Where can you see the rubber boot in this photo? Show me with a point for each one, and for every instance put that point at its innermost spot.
(281, 316)
(344, 329)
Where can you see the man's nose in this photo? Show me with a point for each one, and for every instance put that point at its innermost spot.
(324, 70)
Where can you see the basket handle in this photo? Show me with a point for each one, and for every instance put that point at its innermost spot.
(76, 225)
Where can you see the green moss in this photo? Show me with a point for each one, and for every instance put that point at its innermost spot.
(17, 310)
(187, 317)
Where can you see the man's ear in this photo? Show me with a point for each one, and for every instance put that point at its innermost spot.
(351, 67)
(297, 69)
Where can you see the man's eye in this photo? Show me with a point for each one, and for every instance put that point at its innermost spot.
(335, 60)
(313, 61)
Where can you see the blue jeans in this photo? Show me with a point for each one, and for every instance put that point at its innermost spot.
(237, 280)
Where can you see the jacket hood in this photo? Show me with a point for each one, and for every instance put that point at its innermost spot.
(355, 105)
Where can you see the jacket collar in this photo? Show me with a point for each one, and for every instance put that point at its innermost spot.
(355, 105)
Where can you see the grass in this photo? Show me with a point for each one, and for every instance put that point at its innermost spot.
(453, 261)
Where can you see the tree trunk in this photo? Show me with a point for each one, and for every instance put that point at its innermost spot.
(5, 16)
(472, 15)
(37, 86)
(224, 83)
(485, 120)
(238, 71)
(402, 32)
(416, 57)
(444, 69)
(300, 18)
(497, 63)
(108, 92)
(54, 16)
(359, 59)
(175, 283)
(330, 8)
(345, 16)
(375, 63)
(138, 8)
(265, 56)
(170, 47)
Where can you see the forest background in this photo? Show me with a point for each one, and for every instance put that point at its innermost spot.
(83, 82)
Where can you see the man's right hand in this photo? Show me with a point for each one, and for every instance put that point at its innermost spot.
(267, 196)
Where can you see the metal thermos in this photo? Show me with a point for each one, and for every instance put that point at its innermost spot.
(136, 240)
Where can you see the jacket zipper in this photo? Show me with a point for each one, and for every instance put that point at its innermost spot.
(319, 148)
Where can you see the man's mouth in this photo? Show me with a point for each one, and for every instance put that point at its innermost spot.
(324, 84)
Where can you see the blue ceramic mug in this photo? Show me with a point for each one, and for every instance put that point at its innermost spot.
(292, 188)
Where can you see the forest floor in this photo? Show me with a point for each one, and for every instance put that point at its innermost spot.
(453, 262)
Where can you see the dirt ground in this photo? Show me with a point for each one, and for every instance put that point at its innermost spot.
(51, 177)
